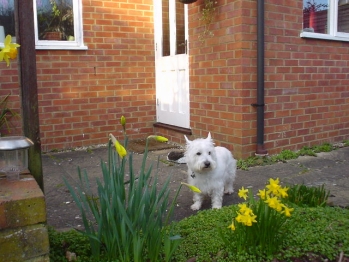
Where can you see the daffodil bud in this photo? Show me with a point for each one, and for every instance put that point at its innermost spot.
(192, 188)
(123, 121)
(158, 138)
(118, 147)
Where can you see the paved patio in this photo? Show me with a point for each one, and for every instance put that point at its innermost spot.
(331, 169)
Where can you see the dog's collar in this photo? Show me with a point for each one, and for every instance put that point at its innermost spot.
(192, 175)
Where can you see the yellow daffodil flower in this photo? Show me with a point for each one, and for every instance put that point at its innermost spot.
(243, 207)
(9, 51)
(273, 186)
(239, 218)
(248, 212)
(274, 203)
(283, 192)
(247, 220)
(243, 193)
(118, 147)
(245, 210)
(192, 188)
(287, 211)
(158, 138)
(262, 194)
(250, 219)
(232, 226)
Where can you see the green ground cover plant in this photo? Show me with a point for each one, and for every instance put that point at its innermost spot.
(286, 155)
(321, 232)
(315, 234)
(72, 240)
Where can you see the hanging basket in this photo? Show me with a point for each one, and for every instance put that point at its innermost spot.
(187, 1)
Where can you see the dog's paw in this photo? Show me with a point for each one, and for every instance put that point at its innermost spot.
(229, 191)
(195, 206)
(216, 206)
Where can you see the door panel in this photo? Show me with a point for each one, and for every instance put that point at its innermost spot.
(172, 63)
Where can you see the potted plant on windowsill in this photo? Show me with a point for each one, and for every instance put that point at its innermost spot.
(58, 21)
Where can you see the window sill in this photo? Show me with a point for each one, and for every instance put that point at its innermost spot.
(60, 47)
(56, 47)
(323, 36)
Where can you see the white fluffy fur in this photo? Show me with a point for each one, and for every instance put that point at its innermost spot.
(211, 169)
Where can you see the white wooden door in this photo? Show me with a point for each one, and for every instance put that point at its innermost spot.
(171, 62)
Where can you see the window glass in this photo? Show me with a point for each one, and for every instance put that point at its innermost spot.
(180, 29)
(57, 23)
(7, 19)
(166, 51)
(55, 20)
(343, 16)
(315, 16)
(326, 19)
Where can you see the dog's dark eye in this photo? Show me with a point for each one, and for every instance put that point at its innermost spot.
(209, 153)
(198, 153)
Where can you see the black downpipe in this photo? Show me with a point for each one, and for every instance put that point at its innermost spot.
(260, 150)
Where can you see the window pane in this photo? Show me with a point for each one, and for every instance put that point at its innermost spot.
(165, 28)
(7, 19)
(343, 16)
(55, 19)
(315, 16)
(180, 28)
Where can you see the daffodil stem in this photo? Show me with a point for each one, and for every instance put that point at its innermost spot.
(145, 154)
(173, 204)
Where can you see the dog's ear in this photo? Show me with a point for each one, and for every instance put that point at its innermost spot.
(187, 140)
(209, 136)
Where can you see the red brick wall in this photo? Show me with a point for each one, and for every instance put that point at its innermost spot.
(82, 94)
(306, 81)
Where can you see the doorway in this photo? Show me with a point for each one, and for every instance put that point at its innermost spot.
(171, 63)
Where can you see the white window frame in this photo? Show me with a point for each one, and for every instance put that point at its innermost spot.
(333, 34)
(77, 44)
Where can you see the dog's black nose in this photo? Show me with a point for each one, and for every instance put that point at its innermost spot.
(207, 164)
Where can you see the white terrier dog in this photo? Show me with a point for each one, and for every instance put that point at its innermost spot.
(211, 169)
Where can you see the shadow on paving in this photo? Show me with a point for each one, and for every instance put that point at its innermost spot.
(331, 169)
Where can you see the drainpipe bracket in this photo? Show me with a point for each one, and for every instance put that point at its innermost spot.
(257, 105)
